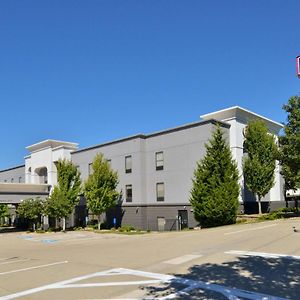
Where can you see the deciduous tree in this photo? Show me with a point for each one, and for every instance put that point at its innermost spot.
(4, 212)
(289, 145)
(31, 209)
(260, 160)
(100, 188)
(65, 195)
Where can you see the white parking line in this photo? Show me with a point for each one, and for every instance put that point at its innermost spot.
(262, 254)
(250, 229)
(36, 267)
(230, 293)
(119, 283)
(181, 259)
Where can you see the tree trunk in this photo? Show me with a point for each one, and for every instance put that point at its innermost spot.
(99, 222)
(259, 206)
(64, 223)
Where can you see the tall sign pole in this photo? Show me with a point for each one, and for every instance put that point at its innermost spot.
(298, 66)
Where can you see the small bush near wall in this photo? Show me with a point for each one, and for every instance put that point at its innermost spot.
(126, 228)
(281, 213)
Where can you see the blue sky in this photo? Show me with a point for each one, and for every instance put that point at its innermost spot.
(93, 71)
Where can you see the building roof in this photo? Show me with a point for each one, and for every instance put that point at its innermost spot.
(157, 133)
(240, 113)
(12, 168)
(23, 187)
(52, 144)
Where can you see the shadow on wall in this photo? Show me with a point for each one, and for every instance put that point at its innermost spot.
(252, 207)
(276, 277)
(116, 213)
(114, 216)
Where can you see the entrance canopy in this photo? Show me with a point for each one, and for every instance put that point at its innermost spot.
(14, 193)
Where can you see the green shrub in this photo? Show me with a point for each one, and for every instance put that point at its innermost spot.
(126, 228)
(77, 228)
(278, 214)
(240, 221)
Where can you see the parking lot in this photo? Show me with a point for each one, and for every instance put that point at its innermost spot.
(246, 261)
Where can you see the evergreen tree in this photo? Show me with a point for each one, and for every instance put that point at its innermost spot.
(100, 187)
(289, 145)
(65, 195)
(32, 210)
(260, 160)
(215, 191)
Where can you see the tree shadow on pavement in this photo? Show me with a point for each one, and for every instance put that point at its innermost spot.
(272, 276)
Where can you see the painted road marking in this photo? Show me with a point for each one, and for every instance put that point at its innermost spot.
(230, 293)
(48, 241)
(181, 259)
(262, 254)
(36, 267)
(58, 238)
(250, 229)
(120, 283)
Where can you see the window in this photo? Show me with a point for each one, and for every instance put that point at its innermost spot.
(160, 191)
(90, 168)
(159, 160)
(128, 189)
(20, 179)
(128, 164)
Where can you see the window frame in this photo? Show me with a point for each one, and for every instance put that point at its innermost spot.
(128, 187)
(160, 199)
(159, 167)
(90, 168)
(128, 170)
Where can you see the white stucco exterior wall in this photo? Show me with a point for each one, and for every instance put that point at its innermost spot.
(238, 119)
(44, 155)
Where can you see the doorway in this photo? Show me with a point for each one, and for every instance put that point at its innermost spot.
(161, 222)
(183, 219)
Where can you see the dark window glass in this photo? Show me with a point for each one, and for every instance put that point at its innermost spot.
(159, 160)
(128, 164)
(160, 191)
(90, 168)
(128, 193)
